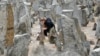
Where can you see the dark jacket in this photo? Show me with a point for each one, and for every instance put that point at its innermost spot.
(48, 24)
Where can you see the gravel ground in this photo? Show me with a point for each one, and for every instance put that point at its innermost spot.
(90, 33)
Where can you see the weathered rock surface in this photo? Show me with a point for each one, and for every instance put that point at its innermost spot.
(84, 20)
(20, 47)
(74, 38)
(97, 13)
(95, 52)
(98, 29)
(20, 18)
(44, 51)
(3, 25)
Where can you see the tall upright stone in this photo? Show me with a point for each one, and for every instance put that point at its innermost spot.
(21, 38)
(72, 36)
(10, 26)
(3, 27)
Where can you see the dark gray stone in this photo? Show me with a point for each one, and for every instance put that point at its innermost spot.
(2, 47)
(84, 21)
(98, 29)
(20, 47)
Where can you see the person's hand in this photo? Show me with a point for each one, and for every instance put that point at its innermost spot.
(44, 28)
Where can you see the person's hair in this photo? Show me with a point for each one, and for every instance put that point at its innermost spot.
(42, 19)
(48, 19)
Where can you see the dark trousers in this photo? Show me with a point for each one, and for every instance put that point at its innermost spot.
(46, 31)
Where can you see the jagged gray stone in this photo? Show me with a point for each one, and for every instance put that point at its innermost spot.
(20, 47)
(74, 38)
(95, 52)
(98, 28)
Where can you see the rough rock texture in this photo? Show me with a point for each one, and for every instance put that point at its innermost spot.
(3, 22)
(98, 28)
(10, 26)
(84, 20)
(69, 53)
(2, 48)
(97, 13)
(83, 12)
(19, 18)
(20, 47)
(22, 16)
(74, 39)
(95, 52)
(42, 51)
(90, 10)
(97, 34)
(78, 13)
